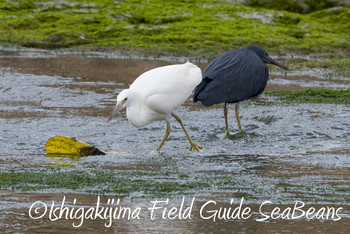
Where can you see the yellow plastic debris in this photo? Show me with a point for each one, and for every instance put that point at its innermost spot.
(70, 146)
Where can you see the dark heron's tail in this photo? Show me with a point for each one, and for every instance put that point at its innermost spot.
(199, 89)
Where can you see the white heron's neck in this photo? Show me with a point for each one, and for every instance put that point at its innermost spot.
(134, 110)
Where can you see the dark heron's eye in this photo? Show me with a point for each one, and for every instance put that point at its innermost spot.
(266, 55)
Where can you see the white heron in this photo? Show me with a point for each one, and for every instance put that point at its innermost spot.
(155, 94)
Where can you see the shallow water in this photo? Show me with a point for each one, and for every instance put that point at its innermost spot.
(286, 152)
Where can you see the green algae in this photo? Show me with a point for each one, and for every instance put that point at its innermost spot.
(182, 28)
(141, 184)
(299, 6)
(100, 181)
(312, 96)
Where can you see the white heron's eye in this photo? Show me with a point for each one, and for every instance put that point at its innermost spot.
(125, 99)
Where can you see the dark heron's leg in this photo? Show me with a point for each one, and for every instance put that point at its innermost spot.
(237, 116)
(226, 122)
(167, 133)
(194, 146)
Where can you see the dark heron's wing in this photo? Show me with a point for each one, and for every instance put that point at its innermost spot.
(234, 76)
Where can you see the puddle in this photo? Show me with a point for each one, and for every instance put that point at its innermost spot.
(286, 152)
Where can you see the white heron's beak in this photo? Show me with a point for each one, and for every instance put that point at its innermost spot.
(116, 109)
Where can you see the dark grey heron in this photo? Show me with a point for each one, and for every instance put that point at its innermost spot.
(235, 76)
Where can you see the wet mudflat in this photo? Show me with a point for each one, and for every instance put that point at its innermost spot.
(287, 152)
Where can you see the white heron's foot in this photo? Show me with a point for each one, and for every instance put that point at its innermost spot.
(195, 147)
(228, 132)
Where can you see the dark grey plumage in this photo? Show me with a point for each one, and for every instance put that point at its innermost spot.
(235, 76)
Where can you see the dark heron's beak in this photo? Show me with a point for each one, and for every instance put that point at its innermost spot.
(116, 109)
(272, 61)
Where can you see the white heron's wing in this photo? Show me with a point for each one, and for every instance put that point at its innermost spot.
(166, 88)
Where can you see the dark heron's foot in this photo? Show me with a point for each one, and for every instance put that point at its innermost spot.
(229, 134)
(195, 147)
(238, 135)
(242, 135)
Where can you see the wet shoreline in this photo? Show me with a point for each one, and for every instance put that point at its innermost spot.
(287, 152)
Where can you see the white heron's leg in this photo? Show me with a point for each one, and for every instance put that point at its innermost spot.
(166, 135)
(194, 146)
(237, 116)
(226, 122)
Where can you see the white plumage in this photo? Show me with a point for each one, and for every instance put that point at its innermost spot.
(155, 94)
